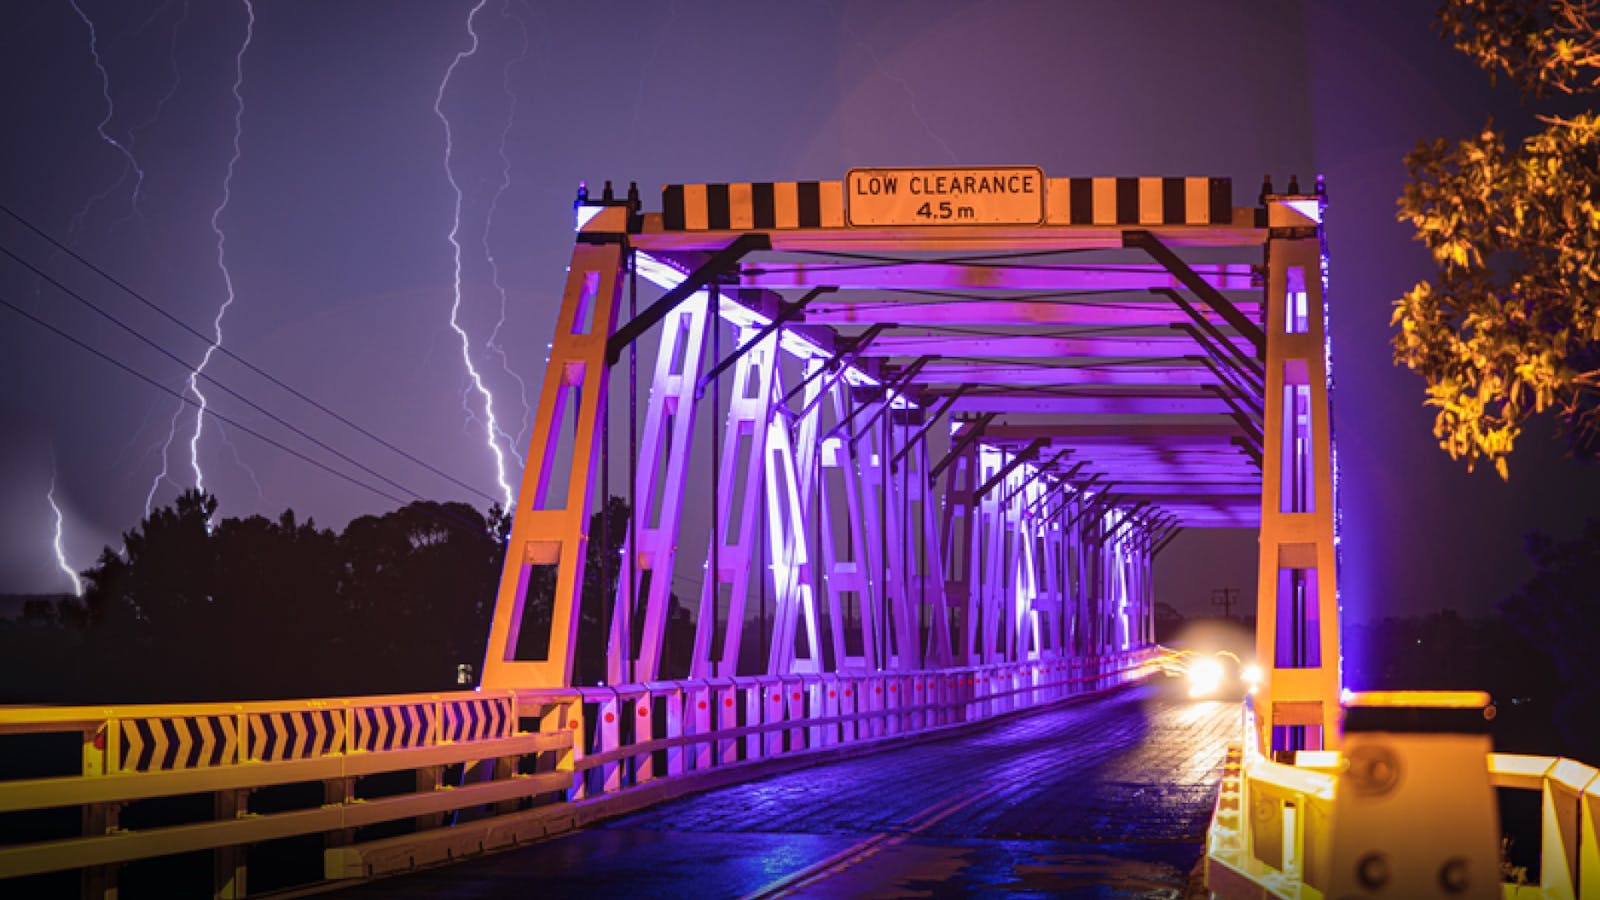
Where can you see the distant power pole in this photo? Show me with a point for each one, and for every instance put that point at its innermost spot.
(1225, 598)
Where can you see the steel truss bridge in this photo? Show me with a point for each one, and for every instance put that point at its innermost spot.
(954, 417)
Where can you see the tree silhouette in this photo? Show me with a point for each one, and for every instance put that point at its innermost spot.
(195, 608)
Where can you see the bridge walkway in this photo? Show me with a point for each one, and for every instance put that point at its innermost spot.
(1105, 798)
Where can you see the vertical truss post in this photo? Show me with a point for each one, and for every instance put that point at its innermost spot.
(1051, 598)
(992, 573)
(846, 565)
(733, 550)
(937, 649)
(551, 530)
(1297, 630)
(897, 643)
(1027, 582)
(791, 571)
(961, 543)
(651, 546)
(1079, 563)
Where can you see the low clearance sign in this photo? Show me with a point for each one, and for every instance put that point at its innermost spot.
(987, 196)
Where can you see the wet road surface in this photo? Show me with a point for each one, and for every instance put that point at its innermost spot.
(1109, 798)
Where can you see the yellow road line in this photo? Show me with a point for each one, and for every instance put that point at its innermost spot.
(870, 845)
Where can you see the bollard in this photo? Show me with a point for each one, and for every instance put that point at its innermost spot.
(1414, 814)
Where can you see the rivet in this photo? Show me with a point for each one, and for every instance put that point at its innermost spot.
(1373, 770)
(1372, 871)
(1453, 875)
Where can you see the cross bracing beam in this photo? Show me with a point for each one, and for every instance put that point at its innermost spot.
(1238, 470)
(919, 275)
(1175, 466)
(1216, 339)
(1177, 479)
(1054, 404)
(1029, 346)
(1053, 373)
(803, 342)
(893, 390)
(931, 421)
(919, 307)
(972, 431)
(1196, 282)
(1138, 430)
(1249, 397)
(719, 264)
(836, 366)
(1165, 494)
(1024, 455)
(786, 313)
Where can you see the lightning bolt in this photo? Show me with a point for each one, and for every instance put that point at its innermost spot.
(227, 281)
(61, 555)
(130, 162)
(172, 67)
(513, 444)
(491, 425)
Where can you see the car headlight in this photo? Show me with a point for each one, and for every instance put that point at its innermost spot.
(1205, 676)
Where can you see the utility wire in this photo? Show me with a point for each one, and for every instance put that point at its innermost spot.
(209, 379)
(186, 399)
(42, 234)
(443, 517)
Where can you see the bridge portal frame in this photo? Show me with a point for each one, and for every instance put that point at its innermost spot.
(1094, 588)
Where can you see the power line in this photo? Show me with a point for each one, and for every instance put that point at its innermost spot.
(42, 234)
(210, 379)
(428, 508)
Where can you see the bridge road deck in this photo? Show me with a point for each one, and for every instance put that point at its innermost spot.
(1105, 798)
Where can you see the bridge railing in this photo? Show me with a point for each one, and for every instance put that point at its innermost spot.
(1271, 826)
(1269, 834)
(478, 770)
(660, 729)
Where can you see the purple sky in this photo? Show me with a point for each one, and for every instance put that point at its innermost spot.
(337, 229)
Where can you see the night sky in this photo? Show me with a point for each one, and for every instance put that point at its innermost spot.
(340, 212)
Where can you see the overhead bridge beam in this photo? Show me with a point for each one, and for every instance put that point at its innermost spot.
(943, 308)
(916, 275)
(1082, 406)
(1052, 374)
(1023, 346)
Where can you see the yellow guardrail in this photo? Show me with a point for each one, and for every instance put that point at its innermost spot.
(1269, 834)
(532, 762)
(176, 737)
(1270, 829)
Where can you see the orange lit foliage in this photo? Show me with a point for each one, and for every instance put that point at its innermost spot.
(1511, 327)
